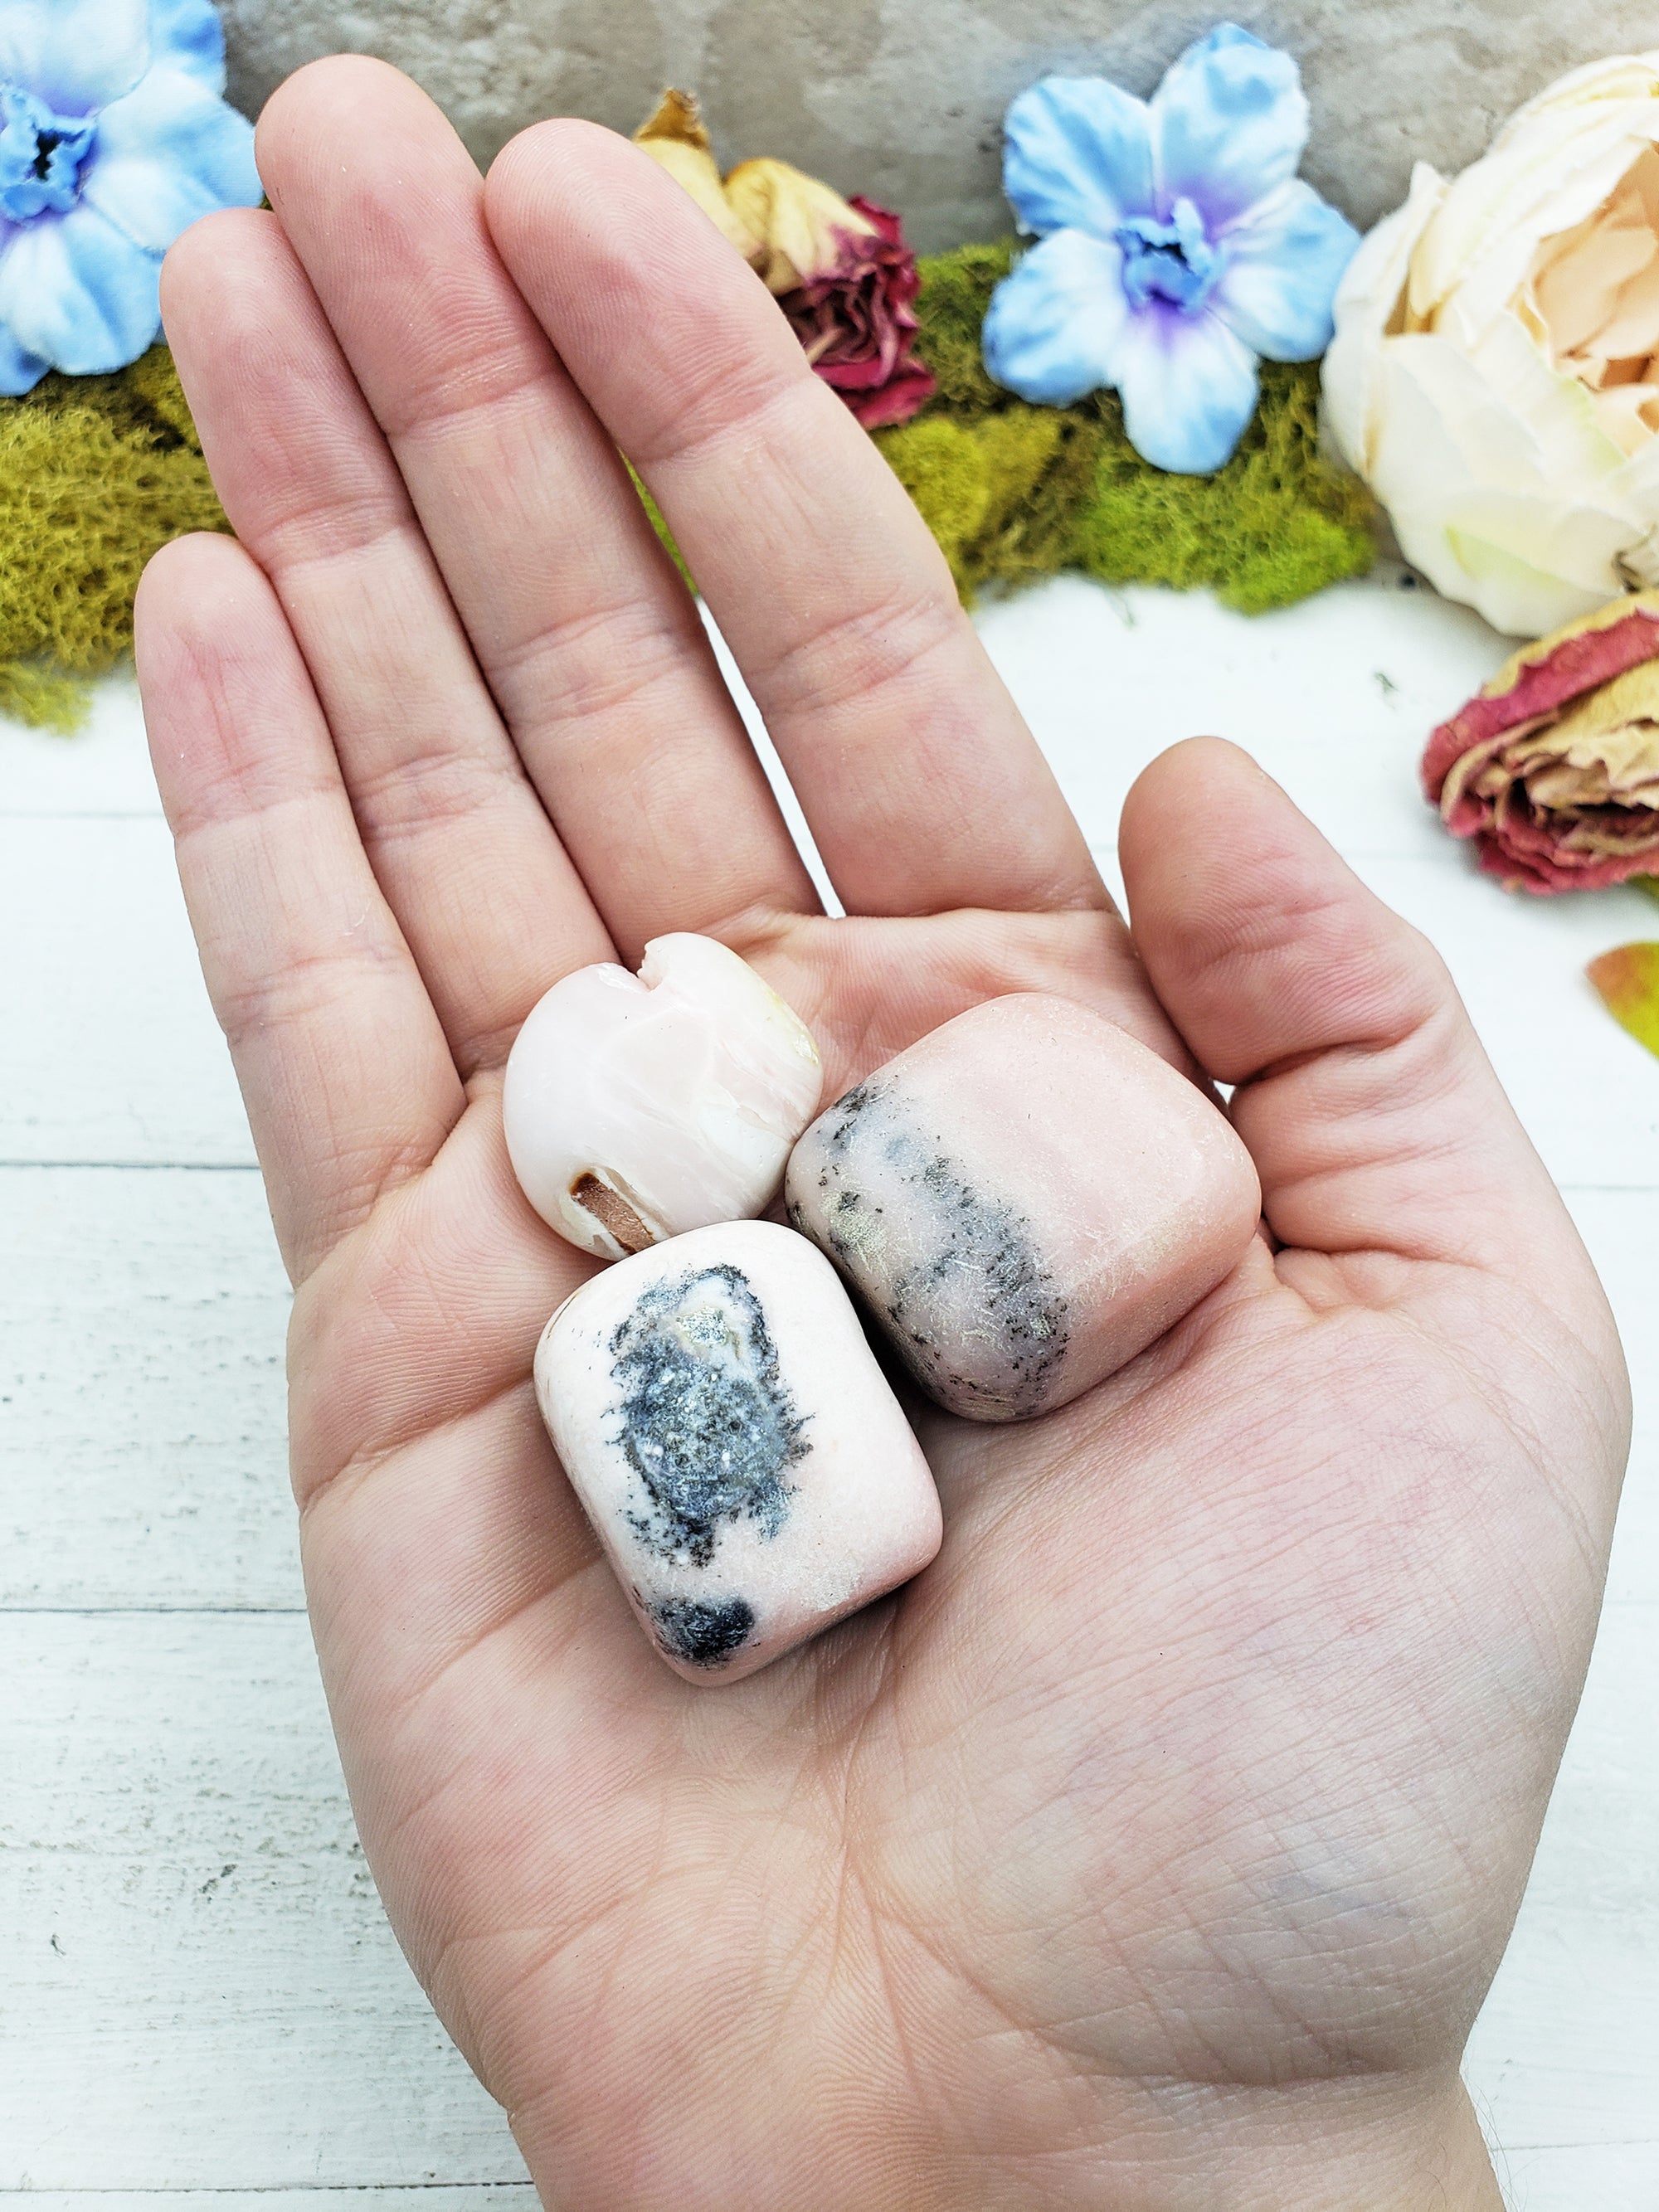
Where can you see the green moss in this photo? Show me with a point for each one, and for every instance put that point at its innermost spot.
(955, 290)
(945, 470)
(1014, 492)
(654, 514)
(1275, 524)
(33, 691)
(1031, 531)
(96, 472)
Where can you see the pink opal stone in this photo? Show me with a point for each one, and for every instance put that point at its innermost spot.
(738, 1448)
(1024, 1200)
(637, 1107)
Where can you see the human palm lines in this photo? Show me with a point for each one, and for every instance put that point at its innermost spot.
(1034, 1751)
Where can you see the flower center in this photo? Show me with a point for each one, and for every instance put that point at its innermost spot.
(40, 155)
(1591, 300)
(1171, 261)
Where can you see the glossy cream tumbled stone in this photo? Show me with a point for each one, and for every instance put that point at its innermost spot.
(739, 1450)
(1025, 1198)
(637, 1107)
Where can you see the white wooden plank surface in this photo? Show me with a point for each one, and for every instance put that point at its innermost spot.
(209, 1990)
(158, 1477)
(112, 1053)
(194, 2031)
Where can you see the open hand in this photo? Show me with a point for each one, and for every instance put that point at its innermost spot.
(1155, 1848)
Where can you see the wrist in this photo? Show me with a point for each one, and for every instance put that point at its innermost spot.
(1372, 2145)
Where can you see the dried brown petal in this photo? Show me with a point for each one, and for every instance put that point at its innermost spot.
(803, 226)
(1553, 768)
(675, 139)
(840, 268)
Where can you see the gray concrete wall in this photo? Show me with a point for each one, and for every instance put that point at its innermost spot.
(902, 98)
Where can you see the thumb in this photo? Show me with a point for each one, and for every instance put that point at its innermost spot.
(1374, 1117)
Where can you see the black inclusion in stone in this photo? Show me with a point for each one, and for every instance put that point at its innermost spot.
(841, 1125)
(704, 1634)
(966, 1252)
(707, 1423)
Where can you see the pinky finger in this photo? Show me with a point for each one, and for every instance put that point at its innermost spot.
(349, 1083)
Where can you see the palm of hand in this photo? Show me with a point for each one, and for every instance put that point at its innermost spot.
(1204, 1766)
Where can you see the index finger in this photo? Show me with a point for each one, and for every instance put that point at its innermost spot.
(924, 789)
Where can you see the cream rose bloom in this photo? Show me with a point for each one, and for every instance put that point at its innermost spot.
(1494, 376)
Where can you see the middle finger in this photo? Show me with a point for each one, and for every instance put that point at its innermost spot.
(589, 641)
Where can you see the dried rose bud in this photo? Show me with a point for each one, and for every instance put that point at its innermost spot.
(676, 141)
(859, 324)
(839, 268)
(804, 227)
(1553, 768)
(1627, 979)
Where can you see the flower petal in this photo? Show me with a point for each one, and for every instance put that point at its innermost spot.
(1053, 326)
(167, 152)
(1483, 239)
(20, 369)
(1367, 303)
(1569, 441)
(1188, 387)
(76, 55)
(1285, 260)
(1617, 77)
(675, 139)
(1229, 124)
(74, 291)
(803, 226)
(1628, 981)
(188, 35)
(1476, 502)
(1077, 156)
(1511, 557)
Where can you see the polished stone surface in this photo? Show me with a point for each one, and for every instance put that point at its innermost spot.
(1024, 1200)
(637, 1107)
(738, 1450)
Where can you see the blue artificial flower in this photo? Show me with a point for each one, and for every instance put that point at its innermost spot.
(1178, 245)
(113, 140)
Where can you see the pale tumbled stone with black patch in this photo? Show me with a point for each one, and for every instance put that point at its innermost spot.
(1025, 1200)
(736, 1447)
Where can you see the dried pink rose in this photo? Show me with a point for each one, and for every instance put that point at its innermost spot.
(840, 268)
(1553, 768)
(801, 225)
(858, 323)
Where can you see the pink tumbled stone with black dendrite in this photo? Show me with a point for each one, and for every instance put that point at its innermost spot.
(739, 1450)
(1024, 1200)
